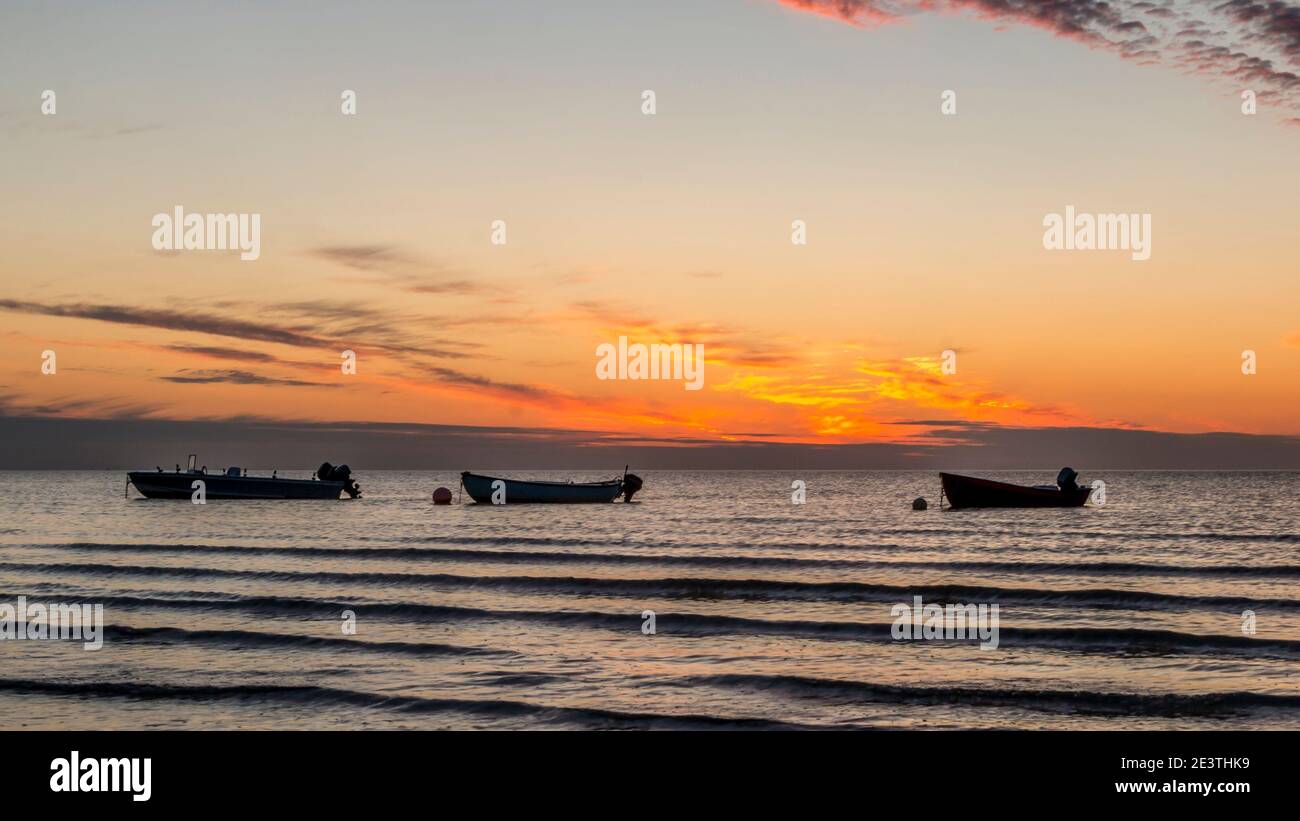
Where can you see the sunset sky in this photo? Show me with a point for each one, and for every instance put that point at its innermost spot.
(924, 230)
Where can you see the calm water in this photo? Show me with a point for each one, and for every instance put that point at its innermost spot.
(766, 613)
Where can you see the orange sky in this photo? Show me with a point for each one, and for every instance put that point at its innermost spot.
(924, 232)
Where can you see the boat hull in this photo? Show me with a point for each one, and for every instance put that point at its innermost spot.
(970, 492)
(480, 489)
(216, 486)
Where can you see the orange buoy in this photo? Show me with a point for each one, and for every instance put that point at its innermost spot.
(442, 496)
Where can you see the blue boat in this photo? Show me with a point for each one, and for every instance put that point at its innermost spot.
(517, 491)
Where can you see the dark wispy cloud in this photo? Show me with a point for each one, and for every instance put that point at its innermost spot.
(314, 324)
(1251, 44)
(173, 320)
(223, 353)
(238, 377)
(451, 376)
(102, 407)
(400, 268)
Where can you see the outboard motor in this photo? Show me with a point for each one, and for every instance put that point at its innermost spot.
(1065, 480)
(343, 473)
(631, 484)
(340, 473)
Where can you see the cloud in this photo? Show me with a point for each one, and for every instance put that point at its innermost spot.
(1093, 21)
(223, 353)
(361, 257)
(455, 377)
(170, 320)
(1242, 42)
(868, 396)
(401, 269)
(1273, 22)
(722, 346)
(32, 443)
(312, 324)
(944, 423)
(550, 399)
(237, 377)
(857, 12)
(111, 407)
(63, 124)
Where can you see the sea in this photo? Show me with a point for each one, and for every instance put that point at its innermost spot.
(715, 600)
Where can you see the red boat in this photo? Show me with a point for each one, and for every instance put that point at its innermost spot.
(968, 491)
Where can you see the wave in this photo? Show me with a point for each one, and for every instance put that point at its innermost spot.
(503, 542)
(1080, 639)
(1074, 701)
(705, 588)
(243, 639)
(318, 697)
(1127, 535)
(551, 557)
(982, 533)
(979, 532)
(508, 679)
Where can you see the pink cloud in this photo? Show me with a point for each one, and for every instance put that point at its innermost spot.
(1251, 44)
